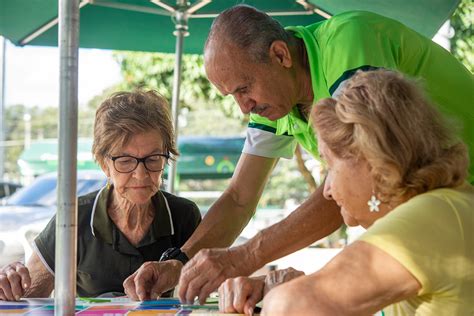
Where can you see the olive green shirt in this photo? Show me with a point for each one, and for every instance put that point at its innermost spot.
(105, 258)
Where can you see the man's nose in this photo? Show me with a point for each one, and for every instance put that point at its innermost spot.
(246, 104)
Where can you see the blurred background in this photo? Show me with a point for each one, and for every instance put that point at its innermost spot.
(28, 158)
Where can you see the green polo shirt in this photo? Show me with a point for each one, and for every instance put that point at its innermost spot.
(105, 258)
(338, 47)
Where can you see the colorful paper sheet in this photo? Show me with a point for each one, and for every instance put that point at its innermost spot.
(110, 307)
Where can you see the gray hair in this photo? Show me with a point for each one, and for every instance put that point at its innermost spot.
(250, 29)
(125, 114)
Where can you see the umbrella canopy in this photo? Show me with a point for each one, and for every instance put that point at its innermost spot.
(144, 25)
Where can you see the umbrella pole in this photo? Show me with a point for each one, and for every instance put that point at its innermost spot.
(3, 48)
(66, 217)
(181, 21)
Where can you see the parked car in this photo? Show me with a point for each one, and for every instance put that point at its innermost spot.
(25, 213)
(8, 188)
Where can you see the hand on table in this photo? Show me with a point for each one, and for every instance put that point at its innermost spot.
(152, 279)
(14, 281)
(241, 294)
(278, 277)
(206, 271)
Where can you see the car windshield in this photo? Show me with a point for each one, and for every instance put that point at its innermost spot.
(43, 191)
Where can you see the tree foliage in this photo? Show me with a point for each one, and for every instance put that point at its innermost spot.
(156, 70)
(462, 42)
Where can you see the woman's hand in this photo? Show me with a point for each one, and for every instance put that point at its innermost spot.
(14, 281)
(152, 279)
(278, 277)
(241, 294)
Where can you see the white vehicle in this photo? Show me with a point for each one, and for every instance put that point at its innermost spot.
(24, 214)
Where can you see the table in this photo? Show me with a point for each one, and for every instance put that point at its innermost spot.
(109, 307)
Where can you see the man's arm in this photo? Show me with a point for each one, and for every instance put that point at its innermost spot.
(314, 219)
(232, 211)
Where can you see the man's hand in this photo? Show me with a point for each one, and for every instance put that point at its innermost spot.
(152, 279)
(205, 272)
(14, 281)
(241, 294)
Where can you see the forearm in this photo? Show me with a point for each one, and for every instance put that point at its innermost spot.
(286, 299)
(314, 219)
(220, 227)
(228, 216)
(42, 281)
(41, 286)
(354, 282)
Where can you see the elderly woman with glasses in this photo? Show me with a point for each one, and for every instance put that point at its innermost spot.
(395, 169)
(128, 223)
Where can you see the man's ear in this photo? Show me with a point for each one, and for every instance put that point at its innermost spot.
(280, 53)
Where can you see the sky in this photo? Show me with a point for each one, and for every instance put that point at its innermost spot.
(32, 75)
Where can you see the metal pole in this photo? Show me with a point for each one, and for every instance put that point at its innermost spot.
(181, 21)
(3, 48)
(66, 218)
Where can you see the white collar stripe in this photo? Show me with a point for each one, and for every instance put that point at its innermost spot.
(169, 214)
(93, 210)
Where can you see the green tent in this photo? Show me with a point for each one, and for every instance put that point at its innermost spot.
(200, 157)
(147, 25)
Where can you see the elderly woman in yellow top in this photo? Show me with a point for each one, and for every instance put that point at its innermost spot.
(396, 170)
(127, 223)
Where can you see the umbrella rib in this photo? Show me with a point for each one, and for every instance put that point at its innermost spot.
(163, 5)
(188, 9)
(45, 27)
(198, 5)
(313, 8)
(129, 7)
(274, 13)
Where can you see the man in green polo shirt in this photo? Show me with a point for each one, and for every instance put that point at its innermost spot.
(276, 75)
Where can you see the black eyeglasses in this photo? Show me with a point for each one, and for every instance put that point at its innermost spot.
(152, 163)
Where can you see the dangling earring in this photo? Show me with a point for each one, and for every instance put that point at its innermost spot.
(373, 203)
(108, 183)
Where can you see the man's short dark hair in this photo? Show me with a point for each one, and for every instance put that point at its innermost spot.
(250, 29)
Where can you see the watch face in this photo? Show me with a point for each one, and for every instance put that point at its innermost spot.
(169, 254)
(174, 252)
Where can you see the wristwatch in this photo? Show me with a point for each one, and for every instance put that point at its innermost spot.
(174, 253)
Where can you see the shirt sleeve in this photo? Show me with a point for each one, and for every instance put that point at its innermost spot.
(45, 244)
(194, 219)
(262, 140)
(356, 42)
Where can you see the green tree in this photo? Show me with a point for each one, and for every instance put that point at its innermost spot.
(462, 42)
(43, 124)
(155, 71)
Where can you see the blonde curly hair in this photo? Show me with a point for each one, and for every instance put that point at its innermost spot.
(386, 119)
